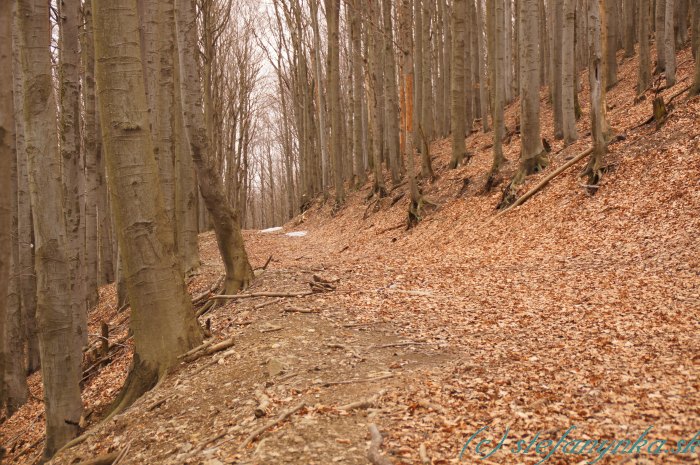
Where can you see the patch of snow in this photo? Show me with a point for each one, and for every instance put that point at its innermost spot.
(271, 230)
(297, 233)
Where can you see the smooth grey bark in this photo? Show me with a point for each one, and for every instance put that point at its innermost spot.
(71, 170)
(60, 361)
(162, 320)
(458, 129)
(391, 95)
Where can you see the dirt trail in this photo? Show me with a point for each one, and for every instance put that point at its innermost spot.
(570, 310)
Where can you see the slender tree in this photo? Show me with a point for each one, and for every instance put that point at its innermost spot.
(459, 14)
(670, 44)
(598, 42)
(391, 102)
(333, 20)
(60, 362)
(568, 72)
(644, 69)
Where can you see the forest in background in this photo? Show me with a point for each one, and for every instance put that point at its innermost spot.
(128, 129)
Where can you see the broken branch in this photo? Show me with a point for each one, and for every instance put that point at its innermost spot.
(373, 455)
(271, 424)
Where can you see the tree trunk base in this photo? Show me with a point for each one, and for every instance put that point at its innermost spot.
(141, 379)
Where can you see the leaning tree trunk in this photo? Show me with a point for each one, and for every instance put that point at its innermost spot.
(60, 361)
(226, 225)
(596, 79)
(611, 32)
(644, 70)
(568, 72)
(162, 320)
(458, 127)
(670, 44)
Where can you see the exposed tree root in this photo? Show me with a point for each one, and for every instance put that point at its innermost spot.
(530, 166)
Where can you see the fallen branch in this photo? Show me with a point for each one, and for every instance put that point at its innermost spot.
(107, 459)
(271, 424)
(209, 350)
(423, 453)
(353, 381)
(265, 304)
(271, 329)
(400, 344)
(260, 294)
(363, 404)
(300, 310)
(263, 404)
(523, 198)
(373, 455)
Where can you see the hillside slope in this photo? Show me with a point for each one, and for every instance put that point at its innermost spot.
(569, 310)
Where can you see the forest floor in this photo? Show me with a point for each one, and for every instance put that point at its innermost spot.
(573, 309)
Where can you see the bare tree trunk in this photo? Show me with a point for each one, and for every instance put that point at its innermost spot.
(357, 96)
(374, 50)
(459, 15)
(644, 70)
(60, 361)
(321, 100)
(695, 87)
(533, 157)
(660, 35)
(569, 73)
(629, 27)
(13, 376)
(25, 238)
(226, 225)
(186, 194)
(483, 68)
(670, 44)
(13, 388)
(596, 79)
(426, 118)
(90, 148)
(162, 319)
(496, 64)
(73, 184)
(611, 31)
(391, 96)
(556, 60)
(333, 20)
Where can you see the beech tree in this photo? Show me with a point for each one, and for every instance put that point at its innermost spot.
(159, 301)
(226, 224)
(60, 361)
(459, 14)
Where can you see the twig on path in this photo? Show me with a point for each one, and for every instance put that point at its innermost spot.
(263, 404)
(373, 455)
(353, 381)
(207, 349)
(269, 302)
(300, 310)
(260, 294)
(363, 404)
(400, 344)
(271, 424)
(424, 455)
(107, 459)
(270, 329)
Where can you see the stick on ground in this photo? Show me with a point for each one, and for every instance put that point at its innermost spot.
(269, 425)
(373, 455)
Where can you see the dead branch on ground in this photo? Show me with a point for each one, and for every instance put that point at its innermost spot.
(373, 454)
(271, 424)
